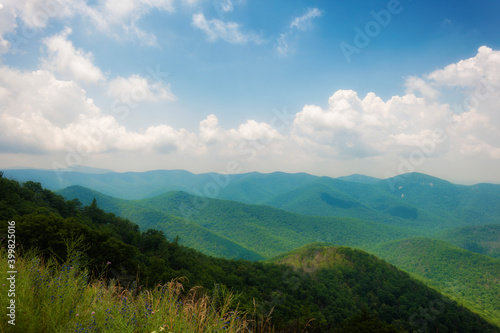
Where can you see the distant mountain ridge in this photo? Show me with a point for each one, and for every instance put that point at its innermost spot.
(411, 200)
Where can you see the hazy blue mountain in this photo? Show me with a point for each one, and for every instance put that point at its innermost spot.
(357, 178)
(257, 187)
(466, 205)
(416, 200)
(250, 187)
(412, 200)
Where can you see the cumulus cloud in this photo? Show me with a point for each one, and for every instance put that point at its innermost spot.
(418, 85)
(355, 127)
(137, 89)
(47, 111)
(465, 73)
(352, 127)
(228, 31)
(64, 59)
(42, 114)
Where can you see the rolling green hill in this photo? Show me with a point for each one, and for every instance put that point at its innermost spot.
(415, 200)
(261, 230)
(190, 234)
(470, 278)
(360, 273)
(483, 239)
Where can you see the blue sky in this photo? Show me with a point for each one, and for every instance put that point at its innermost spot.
(325, 87)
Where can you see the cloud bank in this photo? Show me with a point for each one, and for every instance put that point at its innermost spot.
(48, 111)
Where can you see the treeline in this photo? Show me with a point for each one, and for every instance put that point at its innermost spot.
(366, 292)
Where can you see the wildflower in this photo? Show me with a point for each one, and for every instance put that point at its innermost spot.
(108, 263)
(77, 314)
(92, 313)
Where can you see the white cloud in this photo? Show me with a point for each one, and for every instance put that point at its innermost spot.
(228, 31)
(22, 19)
(37, 107)
(63, 59)
(224, 5)
(282, 44)
(485, 65)
(415, 84)
(118, 18)
(352, 127)
(123, 10)
(303, 22)
(42, 113)
(137, 89)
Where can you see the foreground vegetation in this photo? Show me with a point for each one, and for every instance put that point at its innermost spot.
(326, 295)
(53, 297)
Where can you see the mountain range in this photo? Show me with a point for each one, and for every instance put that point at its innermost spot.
(444, 234)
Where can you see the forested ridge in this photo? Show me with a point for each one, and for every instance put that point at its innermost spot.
(472, 279)
(248, 231)
(359, 290)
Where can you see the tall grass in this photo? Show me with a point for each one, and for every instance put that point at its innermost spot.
(52, 297)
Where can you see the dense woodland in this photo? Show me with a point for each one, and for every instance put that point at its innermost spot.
(317, 288)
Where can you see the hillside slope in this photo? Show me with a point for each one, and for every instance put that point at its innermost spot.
(483, 239)
(415, 200)
(267, 230)
(263, 230)
(189, 233)
(470, 278)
